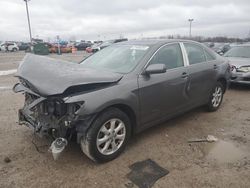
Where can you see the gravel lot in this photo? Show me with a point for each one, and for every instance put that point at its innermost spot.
(225, 163)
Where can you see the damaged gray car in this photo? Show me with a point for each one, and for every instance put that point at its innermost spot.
(119, 91)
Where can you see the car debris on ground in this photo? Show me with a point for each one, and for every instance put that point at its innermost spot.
(145, 173)
(209, 138)
(57, 147)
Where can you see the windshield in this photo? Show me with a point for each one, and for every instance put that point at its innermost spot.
(116, 58)
(239, 51)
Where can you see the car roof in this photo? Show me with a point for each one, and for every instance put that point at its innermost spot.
(153, 42)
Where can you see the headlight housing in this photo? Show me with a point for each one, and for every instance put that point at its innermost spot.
(244, 69)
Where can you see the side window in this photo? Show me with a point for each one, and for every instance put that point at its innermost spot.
(169, 55)
(209, 56)
(195, 53)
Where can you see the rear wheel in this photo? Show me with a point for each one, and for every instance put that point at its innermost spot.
(14, 49)
(216, 97)
(107, 136)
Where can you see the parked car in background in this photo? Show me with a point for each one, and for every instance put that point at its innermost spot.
(119, 91)
(106, 44)
(65, 49)
(82, 45)
(239, 59)
(221, 48)
(53, 48)
(209, 44)
(98, 41)
(9, 46)
(94, 48)
(23, 46)
(89, 50)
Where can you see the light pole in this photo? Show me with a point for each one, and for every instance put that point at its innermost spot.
(58, 45)
(27, 10)
(190, 26)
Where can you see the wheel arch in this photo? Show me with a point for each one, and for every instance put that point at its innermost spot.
(223, 81)
(121, 106)
(129, 112)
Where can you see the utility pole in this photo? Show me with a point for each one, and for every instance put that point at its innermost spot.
(27, 10)
(190, 27)
(58, 45)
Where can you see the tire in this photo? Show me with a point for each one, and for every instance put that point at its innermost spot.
(104, 142)
(14, 49)
(216, 97)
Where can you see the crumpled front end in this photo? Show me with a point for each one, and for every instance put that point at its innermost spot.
(49, 116)
(47, 84)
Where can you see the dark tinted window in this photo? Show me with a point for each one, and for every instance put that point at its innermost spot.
(209, 56)
(195, 53)
(169, 55)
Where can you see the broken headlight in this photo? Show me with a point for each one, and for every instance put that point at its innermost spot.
(74, 108)
(55, 107)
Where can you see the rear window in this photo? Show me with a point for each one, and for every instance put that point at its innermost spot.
(195, 53)
(209, 56)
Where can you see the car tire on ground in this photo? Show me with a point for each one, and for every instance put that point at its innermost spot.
(107, 136)
(216, 97)
(14, 49)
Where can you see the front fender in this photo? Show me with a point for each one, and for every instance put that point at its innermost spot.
(97, 101)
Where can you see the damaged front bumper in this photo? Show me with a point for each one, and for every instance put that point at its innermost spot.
(240, 77)
(51, 116)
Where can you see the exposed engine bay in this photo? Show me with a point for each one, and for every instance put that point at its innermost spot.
(48, 116)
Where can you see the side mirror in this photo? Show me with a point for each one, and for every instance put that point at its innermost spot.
(155, 69)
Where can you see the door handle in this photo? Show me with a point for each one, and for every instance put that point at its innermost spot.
(184, 75)
(215, 66)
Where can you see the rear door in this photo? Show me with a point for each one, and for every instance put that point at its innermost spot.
(202, 74)
(163, 94)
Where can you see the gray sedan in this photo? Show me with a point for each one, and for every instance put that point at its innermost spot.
(118, 92)
(239, 59)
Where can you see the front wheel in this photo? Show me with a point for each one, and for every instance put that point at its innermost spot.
(216, 97)
(107, 136)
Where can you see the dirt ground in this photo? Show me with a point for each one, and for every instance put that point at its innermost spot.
(225, 163)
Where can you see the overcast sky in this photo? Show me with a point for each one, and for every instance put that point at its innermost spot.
(106, 19)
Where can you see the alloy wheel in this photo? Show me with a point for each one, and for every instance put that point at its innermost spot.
(111, 136)
(217, 96)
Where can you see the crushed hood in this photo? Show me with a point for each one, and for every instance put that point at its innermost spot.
(53, 76)
(238, 61)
